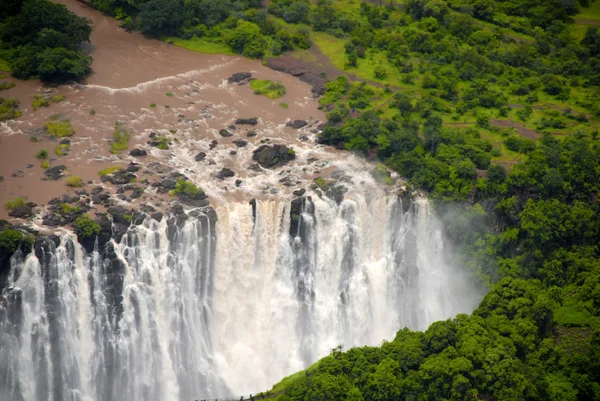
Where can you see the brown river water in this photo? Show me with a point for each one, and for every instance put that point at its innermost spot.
(131, 72)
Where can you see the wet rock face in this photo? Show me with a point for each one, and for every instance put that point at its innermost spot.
(22, 212)
(247, 121)
(239, 77)
(200, 156)
(55, 173)
(225, 173)
(273, 156)
(119, 177)
(297, 124)
(138, 153)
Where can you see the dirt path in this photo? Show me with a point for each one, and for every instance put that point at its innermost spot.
(587, 21)
(526, 132)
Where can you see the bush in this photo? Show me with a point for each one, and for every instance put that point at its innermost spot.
(267, 88)
(45, 165)
(15, 203)
(185, 187)
(120, 141)
(380, 73)
(39, 101)
(10, 240)
(58, 98)
(75, 181)
(109, 170)
(6, 85)
(85, 227)
(9, 109)
(59, 129)
(62, 149)
(42, 154)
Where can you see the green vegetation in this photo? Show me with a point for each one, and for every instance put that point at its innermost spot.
(15, 203)
(42, 39)
(169, 94)
(201, 45)
(42, 154)
(4, 66)
(85, 227)
(152, 105)
(267, 88)
(120, 140)
(185, 187)
(75, 181)
(45, 165)
(283, 105)
(57, 98)
(39, 101)
(9, 109)
(6, 85)
(59, 129)
(11, 240)
(62, 149)
(109, 170)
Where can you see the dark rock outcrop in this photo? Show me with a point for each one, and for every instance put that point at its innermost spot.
(238, 77)
(240, 143)
(119, 177)
(200, 156)
(296, 124)
(55, 173)
(299, 192)
(224, 133)
(138, 153)
(247, 121)
(22, 212)
(225, 173)
(273, 156)
(251, 134)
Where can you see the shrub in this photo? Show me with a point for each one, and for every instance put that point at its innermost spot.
(169, 94)
(62, 149)
(75, 181)
(15, 203)
(9, 108)
(58, 98)
(45, 165)
(59, 129)
(120, 141)
(284, 105)
(85, 227)
(380, 72)
(152, 105)
(6, 85)
(42, 154)
(39, 101)
(185, 187)
(109, 170)
(270, 89)
(10, 240)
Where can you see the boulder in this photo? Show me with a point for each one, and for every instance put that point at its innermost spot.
(138, 153)
(55, 173)
(119, 177)
(238, 77)
(247, 121)
(296, 124)
(213, 144)
(240, 143)
(22, 212)
(251, 134)
(224, 133)
(225, 173)
(273, 156)
(18, 174)
(299, 192)
(200, 156)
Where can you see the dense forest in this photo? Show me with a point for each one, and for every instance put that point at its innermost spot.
(489, 107)
(40, 39)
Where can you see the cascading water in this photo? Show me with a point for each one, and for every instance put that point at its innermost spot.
(198, 307)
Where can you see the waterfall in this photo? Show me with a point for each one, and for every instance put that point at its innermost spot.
(197, 306)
